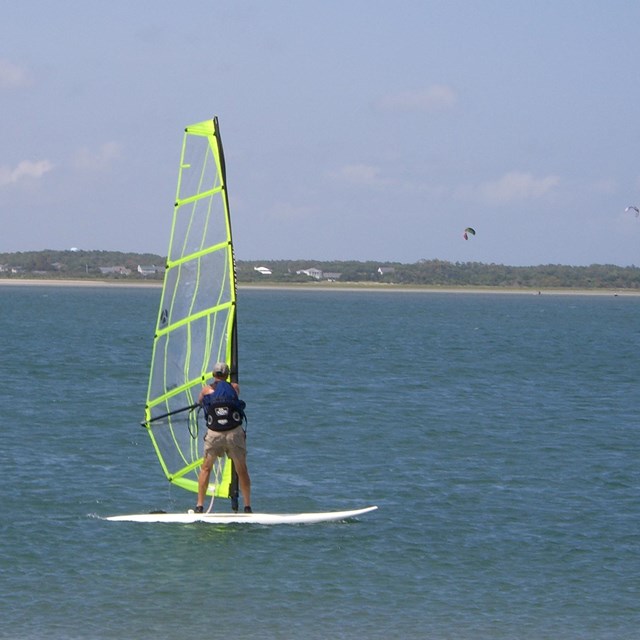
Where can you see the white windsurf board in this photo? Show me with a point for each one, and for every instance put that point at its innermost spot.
(243, 518)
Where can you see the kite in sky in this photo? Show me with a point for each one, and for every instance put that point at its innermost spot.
(468, 231)
(634, 208)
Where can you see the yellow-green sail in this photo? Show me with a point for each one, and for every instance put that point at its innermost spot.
(196, 324)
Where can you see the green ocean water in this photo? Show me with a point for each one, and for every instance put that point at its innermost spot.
(499, 436)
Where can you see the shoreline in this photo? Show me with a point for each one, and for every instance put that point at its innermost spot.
(37, 282)
(368, 287)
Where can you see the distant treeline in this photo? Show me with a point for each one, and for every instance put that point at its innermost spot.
(131, 266)
(447, 274)
(75, 263)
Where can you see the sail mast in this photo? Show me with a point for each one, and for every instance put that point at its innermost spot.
(233, 364)
(234, 484)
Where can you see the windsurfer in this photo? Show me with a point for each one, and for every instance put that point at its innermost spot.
(223, 436)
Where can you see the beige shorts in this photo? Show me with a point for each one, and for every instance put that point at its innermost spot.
(232, 442)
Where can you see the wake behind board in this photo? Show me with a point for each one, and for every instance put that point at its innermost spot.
(243, 518)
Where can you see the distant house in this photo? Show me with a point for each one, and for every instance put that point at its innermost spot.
(384, 270)
(263, 270)
(149, 270)
(331, 275)
(4, 268)
(312, 273)
(120, 270)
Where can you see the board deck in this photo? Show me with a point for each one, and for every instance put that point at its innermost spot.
(243, 518)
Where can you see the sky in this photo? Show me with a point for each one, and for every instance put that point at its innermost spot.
(352, 129)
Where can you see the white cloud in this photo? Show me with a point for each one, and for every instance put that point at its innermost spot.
(12, 76)
(360, 174)
(99, 159)
(517, 185)
(435, 97)
(24, 170)
(286, 211)
(606, 186)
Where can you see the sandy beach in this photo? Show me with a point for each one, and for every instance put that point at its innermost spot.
(330, 286)
(35, 282)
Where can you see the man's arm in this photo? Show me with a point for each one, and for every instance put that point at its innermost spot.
(205, 391)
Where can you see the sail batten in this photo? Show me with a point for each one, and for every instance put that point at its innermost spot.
(206, 194)
(196, 322)
(198, 254)
(194, 316)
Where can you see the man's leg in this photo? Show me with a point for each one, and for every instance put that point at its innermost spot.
(203, 479)
(244, 480)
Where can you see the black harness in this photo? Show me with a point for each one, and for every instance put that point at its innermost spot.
(222, 408)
